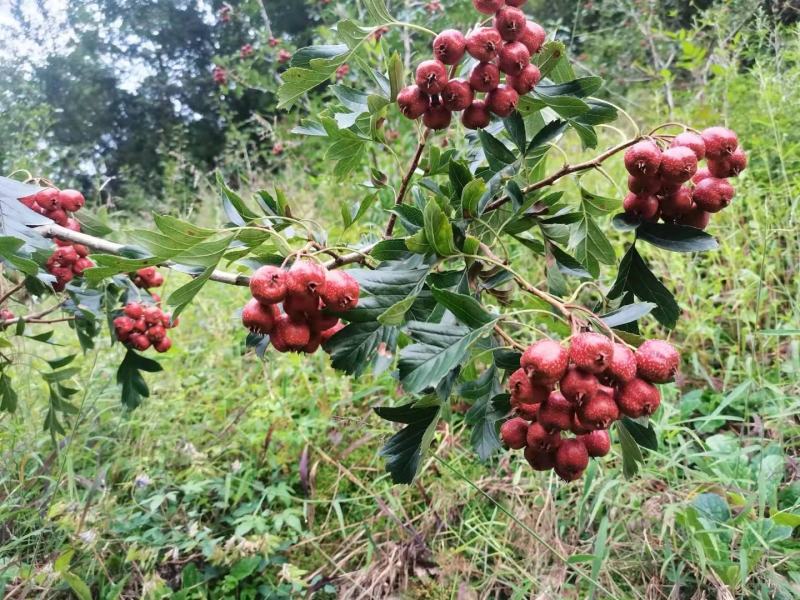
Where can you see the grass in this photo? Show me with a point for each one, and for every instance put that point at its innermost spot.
(243, 478)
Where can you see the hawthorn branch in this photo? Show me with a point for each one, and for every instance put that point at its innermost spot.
(401, 193)
(12, 291)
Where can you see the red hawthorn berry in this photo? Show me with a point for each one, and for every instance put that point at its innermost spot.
(277, 341)
(622, 366)
(449, 46)
(599, 411)
(314, 341)
(533, 36)
(577, 427)
(284, 56)
(163, 344)
(591, 352)
(514, 57)
(47, 199)
(516, 3)
(246, 51)
(712, 194)
(526, 80)
(156, 333)
(677, 203)
(520, 387)
(58, 216)
(318, 321)
(643, 159)
(555, 414)
(71, 200)
(545, 362)
(678, 164)
(220, 75)
(571, 460)
(6, 315)
(484, 77)
(693, 141)
(502, 101)
(305, 278)
(510, 22)
(341, 291)
(133, 310)
(513, 433)
(81, 265)
(293, 333)
(152, 315)
(268, 284)
(139, 341)
(476, 115)
(540, 461)
(538, 438)
(431, 76)
(644, 207)
(300, 306)
(437, 117)
(720, 142)
(729, 166)
(457, 95)
(643, 186)
(140, 325)
(342, 71)
(123, 325)
(412, 101)
(259, 318)
(657, 361)
(696, 217)
(73, 225)
(702, 173)
(65, 256)
(488, 7)
(578, 386)
(29, 201)
(484, 44)
(273, 41)
(638, 398)
(597, 443)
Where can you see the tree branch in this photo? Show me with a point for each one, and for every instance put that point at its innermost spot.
(406, 180)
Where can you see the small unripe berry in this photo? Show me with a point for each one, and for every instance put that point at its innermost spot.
(476, 115)
(720, 142)
(293, 333)
(696, 217)
(340, 292)
(643, 159)
(305, 277)
(571, 460)
(693, 141)
(268, 284)
(502, 101)
(638, 398)
(599, 411)
(657, 361)
(413, 102)
(257, 317)
(578, 385)
(457, 95)
(514, 57)
(591, 352)
(533, 36)
(484, 77)
(644, 207)
(437, 117)
(488, 7)
(545, 362)
(484, 44)
(678, 164)
(712, 194)
(597, 443)
(555, 414)
(526, 80)
(513, 433)
(71, 200)
(622, 366)
(510, 22)
(431, 76)
(676, 203)
(540, 461)
(449, 46)
(538, 438)
(729, 166)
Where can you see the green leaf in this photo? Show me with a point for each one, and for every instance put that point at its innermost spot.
(394, 249)
(438, 349)
(396, 313)
(552, 61)
(8, 397)
(598, 206)
(567, 264)
(484, 417)
(460, 176)
(591, 245)
(544, 136)
(396, 75)
(76, 584)
(507, 360)
(582, 87)
(181, 297)
(9, 246)
(496, 152)
(470, 196)
(465, 308)
(644, 436)
(599, 112)
(129, 376)
(404, 450)
(438, 230)
(236, 201)
(565, 106)
(631, 455)
(378, 12)
(515, 127)
(627, 313)
(634, 276)
(676, 238)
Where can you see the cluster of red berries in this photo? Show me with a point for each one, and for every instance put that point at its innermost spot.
(147, 278)
(144, 325)
(68, 260)
(598, 382)
(659, 181)
(506, 48)
(304, 290)
(220, 75)
(246, 51)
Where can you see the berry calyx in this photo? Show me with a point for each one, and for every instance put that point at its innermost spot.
(571, 460)
(545, 361)
(484, 44)
(268, 284)
(510, 22)
(657, 361)
(514, 57)
(485, 77)
(643, 159)
(591, 352)
(449, 46)
(638, 398)
(502, 100)
(413, 102)
(457, 95)
(257, 317)
(597, 443)
(431, 76)
(513, 433)
(341, 291)
(720, 142)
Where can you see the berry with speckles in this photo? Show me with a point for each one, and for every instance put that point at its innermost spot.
(578, 385)
(599, 411)
(643, 159)
(693, 141)
(591, 352)
(597, 443)
(545, 361)
(637, 398)
(572, 459)
(622, 365)
(513, 433)
(484, 44)
(555, 414)
(678, 164)
(449, 46)
(540, 439)
(713, 194)
(720, 142)
(657, 361)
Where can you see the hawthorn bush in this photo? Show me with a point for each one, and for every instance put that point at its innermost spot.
(435, 296)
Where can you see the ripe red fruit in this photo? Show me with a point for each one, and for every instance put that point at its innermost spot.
(693, 141)
(577, 427)
(538, 438)
(58, 216)
(643, 159)
(413, 102)
(696, 217)
(599, 411)
(712, 194)
(488, 7)
(597, 443)
(156, 333)
(720, 142)
(678, 164)
(644, 207)
(555, 414)
(457, 95)
(257, 317)
(510, 22)
(657, 361)
(702, 173)
(484, 77)
(315, 339)
(525, 81)
(47, 199)
(513, 432)
(163, 345)
(638, 398)
(437, 117)
(305, 278)
(449, 46)
(516, 3)
(65, 256)
(295, 334)
(533, 36)
(123, 326)
(540, 461)
(484, 44)
(545, 361)
(476, 115)
(431, 76)
(622, 365)
(730, 166)
(301, 307)
(139, 341)
(277, 341)
(134, 310)
(514, 57)
(152, 315)
(341, 291)
(520, 387)
(140, 325)
(73, 224)
(320, 322)
(71, 200)
(268, 284)
(571, 460)
(578, 385)
(676, 203)
(591, 351)
(643, 186)
(502, 101)
(81, 265)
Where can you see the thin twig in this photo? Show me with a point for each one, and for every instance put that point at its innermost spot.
(12, 291)
(406, 180)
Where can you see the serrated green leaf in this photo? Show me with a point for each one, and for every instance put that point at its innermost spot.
(404, 450)
(676, 238)
(395, 314)
(465, 308)
(438, 230)
(396, 72)
(496, 152)
(471, 194)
